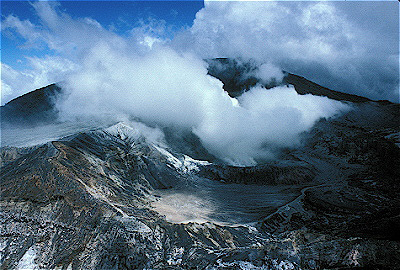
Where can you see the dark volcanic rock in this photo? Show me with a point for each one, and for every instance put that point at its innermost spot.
(237, 78)
(36, 107)
(186, 142)
(304, 86)
(234, 74)
(362, 198)
(265, 174)
(9, 154)
(84, 201)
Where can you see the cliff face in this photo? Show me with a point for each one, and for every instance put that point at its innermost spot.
(106, 199)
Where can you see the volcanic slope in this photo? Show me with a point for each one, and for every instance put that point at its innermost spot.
(116, 198)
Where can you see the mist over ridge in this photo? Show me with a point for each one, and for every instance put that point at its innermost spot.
(116, 78)
(164, 81)
(346, 46)
(200, 135)
(165, 87)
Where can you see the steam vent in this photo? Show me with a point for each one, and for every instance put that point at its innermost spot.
(200, 135)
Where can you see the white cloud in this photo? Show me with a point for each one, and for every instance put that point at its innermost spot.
(25, 29)
(268, 72)
(150, 32)
(327, 42)
(161, 86)
(43, 71)
(110, 77)
(164, 87)
(264, 121)
(69, 39)
(61, 33)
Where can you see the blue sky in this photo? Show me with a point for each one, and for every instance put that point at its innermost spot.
(118, 16)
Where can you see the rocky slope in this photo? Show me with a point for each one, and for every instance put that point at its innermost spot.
(103, 199)
(32, 108)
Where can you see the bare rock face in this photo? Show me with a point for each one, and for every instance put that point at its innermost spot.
(86, 201)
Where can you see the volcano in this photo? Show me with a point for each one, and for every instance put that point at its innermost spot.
(131, 195)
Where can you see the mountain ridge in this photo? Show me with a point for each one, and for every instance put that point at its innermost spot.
(123, 197)
(38, 105)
